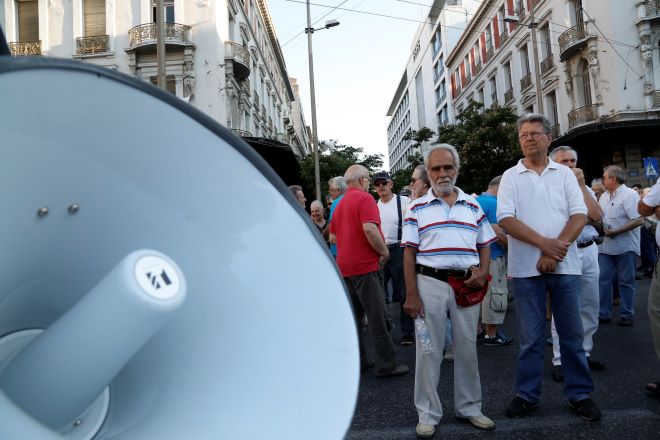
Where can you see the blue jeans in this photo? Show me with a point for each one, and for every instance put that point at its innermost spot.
(623, 265)
(393, 270)
(565, 301)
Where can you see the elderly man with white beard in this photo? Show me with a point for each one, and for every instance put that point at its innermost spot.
(446, 238)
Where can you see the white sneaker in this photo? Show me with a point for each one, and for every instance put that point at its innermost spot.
(449, 354)
(425, 431)
(482, 422)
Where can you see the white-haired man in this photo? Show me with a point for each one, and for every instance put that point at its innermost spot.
(446, 237)
(360, 252)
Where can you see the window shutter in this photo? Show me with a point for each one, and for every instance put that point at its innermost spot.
(28, 20)
(94, 11)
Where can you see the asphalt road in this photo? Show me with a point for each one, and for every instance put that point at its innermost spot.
(385, 408)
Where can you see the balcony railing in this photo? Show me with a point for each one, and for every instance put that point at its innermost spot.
(571, 41)
(458, 90)
(508, 95)
(582, 115)
(240, 57)
(656, 98)
(503, 36)
(652, 8)
(241, 133)
(468, 79)
(477, 67)
(23, 48)
(91, 45)
(490, 53)
(547, 64)
(145, 34)
(526, 81)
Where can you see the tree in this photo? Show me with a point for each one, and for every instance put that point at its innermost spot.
(334, 163)
(487, 142)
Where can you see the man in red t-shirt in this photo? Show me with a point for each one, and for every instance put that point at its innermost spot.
(360, 252)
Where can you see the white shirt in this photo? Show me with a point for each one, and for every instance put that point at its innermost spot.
(447, 237)
(544, 203)
(389, 218)
(618, 209)
(652, 199)
(588, 232)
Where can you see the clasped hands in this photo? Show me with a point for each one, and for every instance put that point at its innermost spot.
(553, 251)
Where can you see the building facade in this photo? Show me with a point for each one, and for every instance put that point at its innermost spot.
(422, 97)
(595, 66)
(222, 56)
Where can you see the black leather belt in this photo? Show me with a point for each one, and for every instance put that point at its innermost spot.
(393, 245)
(442, 274)
(585, 244)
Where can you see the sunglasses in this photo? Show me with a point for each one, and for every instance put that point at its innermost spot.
(381, 183)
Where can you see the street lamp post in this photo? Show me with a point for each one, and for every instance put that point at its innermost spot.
(315, 144)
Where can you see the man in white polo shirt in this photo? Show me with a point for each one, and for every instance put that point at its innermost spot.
(620, 248)
(650, 205)
(392, 208)
(541, 207)
(446, 234)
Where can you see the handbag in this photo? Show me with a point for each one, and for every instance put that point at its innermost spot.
(466, 296)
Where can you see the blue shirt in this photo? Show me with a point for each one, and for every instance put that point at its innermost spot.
(335, 202)
(488, 203)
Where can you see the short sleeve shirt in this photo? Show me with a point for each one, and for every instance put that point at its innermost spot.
(447, 237)
(545, 203)
(488, 203)
(389, 218)
(652, 199)
(335, 202)
(355, 256)
(620, 208)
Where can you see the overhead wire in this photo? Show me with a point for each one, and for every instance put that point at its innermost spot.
(317, 20)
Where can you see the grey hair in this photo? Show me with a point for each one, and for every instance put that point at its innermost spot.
(423, 175)
(294, 189)
(338, 182)
(355, 173)
(446, 147)
(616, 172)
(566, 148)
(595, 181)
(316, 203)
(535, 117)
(495, 182)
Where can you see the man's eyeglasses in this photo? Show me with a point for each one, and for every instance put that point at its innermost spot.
(381, 183)
(533, 134)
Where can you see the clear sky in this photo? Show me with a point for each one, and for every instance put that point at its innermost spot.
(357, 65)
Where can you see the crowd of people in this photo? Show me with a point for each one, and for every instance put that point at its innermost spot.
(446, 257)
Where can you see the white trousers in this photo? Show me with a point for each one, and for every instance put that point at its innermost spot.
(589, 302)
(437, 298)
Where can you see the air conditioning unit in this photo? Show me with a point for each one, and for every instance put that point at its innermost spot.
(511, 18)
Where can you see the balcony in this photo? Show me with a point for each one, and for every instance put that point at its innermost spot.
(489, 54)
(24, 48)
(144, 35)
(547, 64)
(241, 133)
(91, 45)
(503, 36)
(656, 98)
(467, 80)
(477, 67)
(508, 95)
(652, 8)
(582, 115)
(526, 81)
(239, 59)
(572, 41)
(458, 89)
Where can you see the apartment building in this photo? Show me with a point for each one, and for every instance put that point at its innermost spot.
(222, 56)
(422, 96)
(594, 72)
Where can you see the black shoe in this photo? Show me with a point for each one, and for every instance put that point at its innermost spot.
(625, 322)
(519, 407)
(481, 335)
(407, 340)
(595, 365)
(398, 371)
(365, 366)
(604, 320)
(557, 373)
(586, 408)
(497, 341)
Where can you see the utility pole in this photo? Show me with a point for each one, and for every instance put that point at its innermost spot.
(535, 51)
(315, 143)
(160, 43)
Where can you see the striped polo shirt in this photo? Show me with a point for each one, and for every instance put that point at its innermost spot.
(446, 237)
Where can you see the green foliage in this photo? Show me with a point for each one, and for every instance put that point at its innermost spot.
(487, 143)
(334, 163)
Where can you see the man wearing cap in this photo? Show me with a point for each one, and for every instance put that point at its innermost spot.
(446, 237)
(392, 210)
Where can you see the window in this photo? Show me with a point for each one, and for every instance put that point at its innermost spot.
(94, 17)
(546, 41)
(493, 89)
(524, 61)
(508, 82)
(551, 108)
(583, 84)
(480, 95)
(170, 83)
(437, 42)
(489, 38)
(28, 20)
(419, 89)
(168, 11)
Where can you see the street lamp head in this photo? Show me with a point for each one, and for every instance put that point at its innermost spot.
(331, 23)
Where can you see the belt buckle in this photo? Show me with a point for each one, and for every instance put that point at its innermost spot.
(464, 275)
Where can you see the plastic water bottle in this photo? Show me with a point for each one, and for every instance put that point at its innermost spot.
(423, 338)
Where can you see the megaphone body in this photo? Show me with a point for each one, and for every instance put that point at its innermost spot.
(97, 166)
